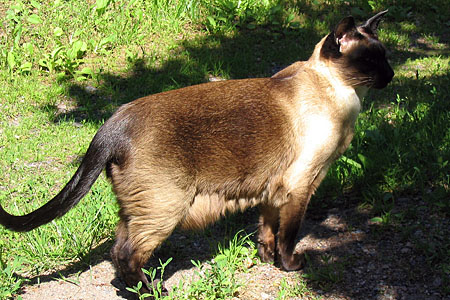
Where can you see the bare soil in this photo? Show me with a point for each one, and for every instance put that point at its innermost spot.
(349, 257)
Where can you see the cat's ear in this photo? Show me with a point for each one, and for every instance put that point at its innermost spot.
(346, 25)
(372, 23)
(344, 33)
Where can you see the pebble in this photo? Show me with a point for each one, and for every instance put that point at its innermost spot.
(90, 89)
(265, 296)
(405, 250)
(212, 78)
(437, 282)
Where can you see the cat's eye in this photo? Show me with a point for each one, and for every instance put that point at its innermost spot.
(388, 54)
(370, 60)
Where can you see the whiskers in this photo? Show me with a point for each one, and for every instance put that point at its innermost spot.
(357, 80)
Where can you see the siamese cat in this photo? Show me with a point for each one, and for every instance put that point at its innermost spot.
(184, 158)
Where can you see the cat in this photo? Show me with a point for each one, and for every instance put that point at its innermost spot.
(185, 157)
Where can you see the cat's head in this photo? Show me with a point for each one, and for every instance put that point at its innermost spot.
(358, 54)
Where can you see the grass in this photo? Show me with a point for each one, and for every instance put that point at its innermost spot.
(218, 278)
(65, 66)
(297, 289)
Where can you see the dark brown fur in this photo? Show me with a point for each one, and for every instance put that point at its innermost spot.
(186, 157)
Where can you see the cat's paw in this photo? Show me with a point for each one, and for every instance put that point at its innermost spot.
(293, 262)
(266, 252)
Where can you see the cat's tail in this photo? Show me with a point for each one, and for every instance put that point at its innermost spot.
(108, 145)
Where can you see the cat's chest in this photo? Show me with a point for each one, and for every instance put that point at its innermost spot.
(323, 132)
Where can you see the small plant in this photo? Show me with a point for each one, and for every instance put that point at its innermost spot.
(216, 279)
(157, 285)
(65, 58)
(10, 282)
(384, 209)
(18, 19)
(386, 218)
(295, 288)
(329, 273)
(240, 254)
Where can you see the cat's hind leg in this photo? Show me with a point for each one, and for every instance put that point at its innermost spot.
(267, 230)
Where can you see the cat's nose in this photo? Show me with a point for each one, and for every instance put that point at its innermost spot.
(391, 74)
(384, 79)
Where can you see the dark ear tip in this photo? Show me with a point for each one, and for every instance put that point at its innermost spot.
(348, 19)
(346, 22)
(372, 23)
(345, 25)
(382, 13)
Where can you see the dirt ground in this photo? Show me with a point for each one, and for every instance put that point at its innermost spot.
(350, 257)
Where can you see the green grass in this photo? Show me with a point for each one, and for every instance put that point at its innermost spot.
(296, 288)
(65, 66)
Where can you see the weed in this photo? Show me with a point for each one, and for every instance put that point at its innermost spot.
(11, 283)
(329, 273)
(157, 285)
(75, 280)
(295, 288)
(217, 278)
